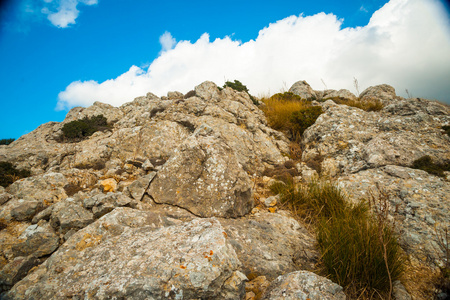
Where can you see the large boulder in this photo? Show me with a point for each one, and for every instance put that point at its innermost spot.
(383, 92)
(191, 260)
(304, 90)
(204, 177)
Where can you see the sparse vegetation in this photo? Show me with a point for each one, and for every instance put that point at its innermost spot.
(426, 163)
(9, 174)
(443, 241)
(359, 249)
(6, 141)
(238, 86)
(367, 104)
(80, 129)
(447, 129)
(289, 113)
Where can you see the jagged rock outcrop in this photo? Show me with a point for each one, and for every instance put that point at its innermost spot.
(162, 204)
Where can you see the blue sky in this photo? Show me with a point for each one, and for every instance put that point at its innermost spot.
(56, 54)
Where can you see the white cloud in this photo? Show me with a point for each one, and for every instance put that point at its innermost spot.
(406, 44)
(62, 13)
(167, 41)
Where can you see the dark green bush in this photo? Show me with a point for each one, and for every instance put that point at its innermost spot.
(447, 129)
(9, 174)
(356, 245)
(426, 163)
(80, 129)
(238, 86)
(6, 141)
(304, 118)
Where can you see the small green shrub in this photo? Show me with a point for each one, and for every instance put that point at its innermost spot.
(6, 141)
(9, 174)
(238, 86)
(304, 118)
(359, 249)
(80, 129)
(447, 129)
(426, 164)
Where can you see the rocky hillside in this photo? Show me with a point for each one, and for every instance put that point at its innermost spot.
(169, 200)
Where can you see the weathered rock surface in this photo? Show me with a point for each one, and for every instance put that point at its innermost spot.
(271, 244)
(150, 128)
(350, 139)
(383, 92)
(304, 90)
(204, 177)
(341, 94)
(304, 285)
(46, 188)
(134, 263)
(418, 200)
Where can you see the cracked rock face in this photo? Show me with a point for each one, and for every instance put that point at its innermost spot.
(133, 263)
(303, 285)
(204, 177)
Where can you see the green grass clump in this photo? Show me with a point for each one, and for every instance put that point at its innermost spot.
(238, 86)
(80, 129)
(426, 164)
(6, 141)
(359, 249)
(9, 174)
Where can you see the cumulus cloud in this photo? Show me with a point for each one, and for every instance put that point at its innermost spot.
(405, 44)
(167, 41)
(62, 13)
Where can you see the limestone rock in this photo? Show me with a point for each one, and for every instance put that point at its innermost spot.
(25, 209)
(67, 215)
(102, 204)
(4, 197)
(349, 139)
(15, 271)
(304, 285)
(191, 260)
(271, 244)
(46, 188)
(417, 200)
(304, 90)
(383, 92)
(111, 113)
(341, 94)
(204, 177)
(37, 240)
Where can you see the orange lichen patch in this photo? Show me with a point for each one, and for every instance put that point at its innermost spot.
(87, 241)
(183, 267)
(272, 209)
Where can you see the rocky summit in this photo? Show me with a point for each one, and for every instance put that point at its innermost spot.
(171, 199)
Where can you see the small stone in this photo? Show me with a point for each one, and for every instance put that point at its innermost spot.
(109, 185)
(271, 201)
